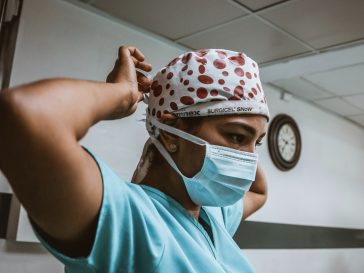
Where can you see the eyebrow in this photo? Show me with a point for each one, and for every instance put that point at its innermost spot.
(245, 126)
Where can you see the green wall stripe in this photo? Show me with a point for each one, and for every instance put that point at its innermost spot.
(262, 235)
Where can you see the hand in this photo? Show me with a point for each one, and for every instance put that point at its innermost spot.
(131, 82)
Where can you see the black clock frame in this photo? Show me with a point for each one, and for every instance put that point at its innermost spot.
(273, 131)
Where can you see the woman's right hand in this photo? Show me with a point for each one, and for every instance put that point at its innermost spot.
(131, 82)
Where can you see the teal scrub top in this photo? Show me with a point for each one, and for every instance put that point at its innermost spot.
(141, 229)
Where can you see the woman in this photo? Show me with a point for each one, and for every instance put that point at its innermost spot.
(206, 114)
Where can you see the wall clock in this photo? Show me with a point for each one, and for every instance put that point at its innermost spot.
(284, 142)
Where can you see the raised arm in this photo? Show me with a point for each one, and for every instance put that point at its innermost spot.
(56, 181)
(255, 198)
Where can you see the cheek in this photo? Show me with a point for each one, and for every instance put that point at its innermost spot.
(191, 157)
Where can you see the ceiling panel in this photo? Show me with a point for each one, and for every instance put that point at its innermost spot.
(250, 35)
(303, 89)
(258, 4)
(171, 18)
(358, 119)
(358, 101)
(342, 81)
(339, 106)
(320, 23)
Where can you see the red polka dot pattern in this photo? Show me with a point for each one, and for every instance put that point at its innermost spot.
(205, 79)
(157, 90)
(201, 69)
(202, 93)
(219, 64)
(169, 75)
(237, 60)
(202, 61)
(174, 106)
(222, 54)
(186, 57)
(222, 77)
(239, 91)
(238, 71)
(161, 101)
(187, 100)
(214, 92)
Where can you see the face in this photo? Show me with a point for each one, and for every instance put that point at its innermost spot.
(239, 132)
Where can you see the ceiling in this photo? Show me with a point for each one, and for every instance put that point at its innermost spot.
(333, 81)
(271, 32)
(267, 30)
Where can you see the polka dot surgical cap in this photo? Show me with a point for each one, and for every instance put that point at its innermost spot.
(207, 82)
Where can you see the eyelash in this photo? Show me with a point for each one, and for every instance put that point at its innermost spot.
(259, 143)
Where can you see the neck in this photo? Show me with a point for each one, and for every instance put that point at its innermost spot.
(165, 179)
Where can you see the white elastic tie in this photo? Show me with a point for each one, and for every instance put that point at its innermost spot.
(165, 154)
(178, 132)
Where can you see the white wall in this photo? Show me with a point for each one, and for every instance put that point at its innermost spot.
(326, 188)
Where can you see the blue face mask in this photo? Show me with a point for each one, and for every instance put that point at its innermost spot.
(225, 176)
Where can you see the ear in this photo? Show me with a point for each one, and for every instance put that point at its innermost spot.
(169, 140)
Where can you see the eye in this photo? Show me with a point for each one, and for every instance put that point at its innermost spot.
(236, 138)
(259, 143)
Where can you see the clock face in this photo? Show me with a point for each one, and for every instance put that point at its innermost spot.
(287, 142)
(284, 142)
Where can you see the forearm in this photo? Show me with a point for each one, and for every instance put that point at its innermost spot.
(64, 106)
(259, 186)
(256, 197)
(58, 182)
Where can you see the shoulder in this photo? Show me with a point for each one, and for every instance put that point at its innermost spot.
(125, 223)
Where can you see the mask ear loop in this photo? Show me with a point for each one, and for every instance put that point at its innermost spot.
(179, 133)
(176, 132)
(165, 154)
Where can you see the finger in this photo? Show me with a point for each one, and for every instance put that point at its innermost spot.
(143, 79)
(143, 88)
(127, 51)
(135, 52)
(142, 65)
(141, 97)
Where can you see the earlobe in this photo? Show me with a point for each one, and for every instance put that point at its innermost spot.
(167, 139)
(173, 147)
